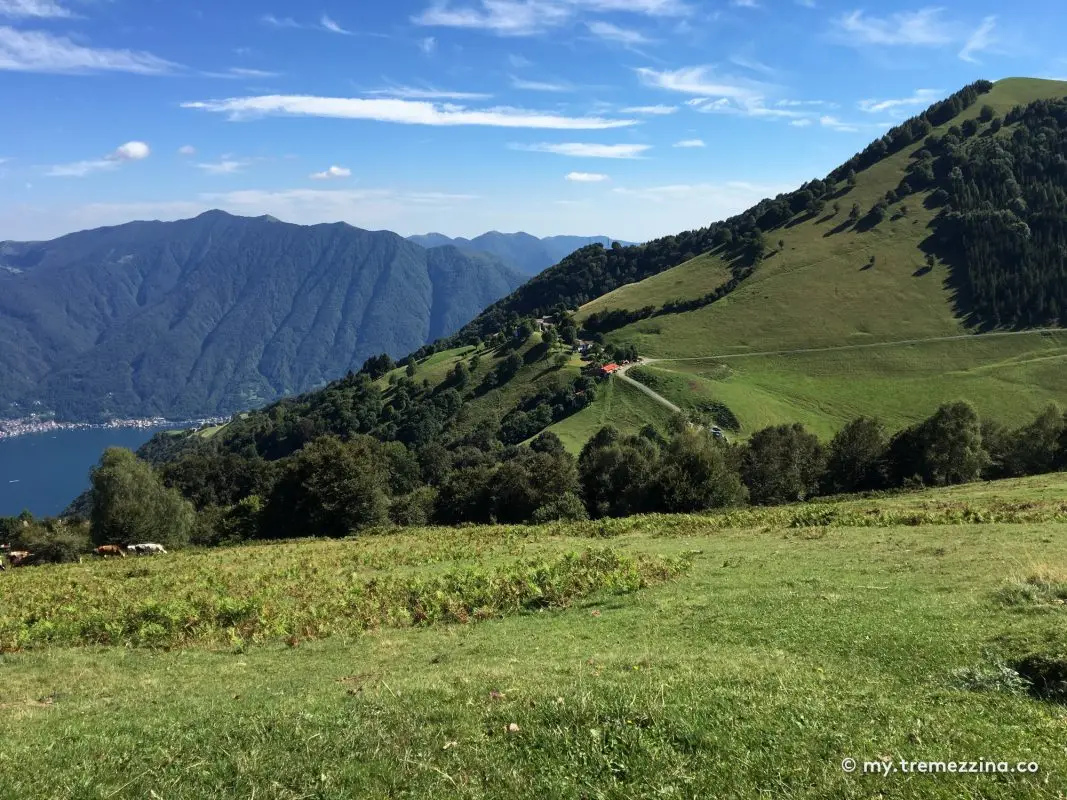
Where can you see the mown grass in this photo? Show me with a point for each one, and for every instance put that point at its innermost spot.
(618, 404)
(1008, 378)
(694, 278)
(781, 651)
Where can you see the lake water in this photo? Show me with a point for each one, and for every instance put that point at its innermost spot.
(45, 471)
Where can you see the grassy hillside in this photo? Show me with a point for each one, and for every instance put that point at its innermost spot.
(795, 638)
(1009, 378)
(818, 290)
(618, 404)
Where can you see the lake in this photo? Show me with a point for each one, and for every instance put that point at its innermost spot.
(45, 471)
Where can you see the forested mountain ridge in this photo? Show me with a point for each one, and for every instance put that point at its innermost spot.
(219, 313)
(528, 254)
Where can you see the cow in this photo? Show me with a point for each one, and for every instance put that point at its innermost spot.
(147, 549)
(109, 550)
(19, 558)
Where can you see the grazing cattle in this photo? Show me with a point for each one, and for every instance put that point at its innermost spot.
(19, 558)
(109, 551)
(147, 549)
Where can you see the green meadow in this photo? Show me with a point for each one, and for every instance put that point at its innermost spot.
(732, 655)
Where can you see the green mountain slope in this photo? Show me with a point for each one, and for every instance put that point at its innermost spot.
(219, 313)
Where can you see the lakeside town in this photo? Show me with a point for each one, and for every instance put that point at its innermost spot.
(10, 428)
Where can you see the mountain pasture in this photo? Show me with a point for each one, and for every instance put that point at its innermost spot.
(873, 629)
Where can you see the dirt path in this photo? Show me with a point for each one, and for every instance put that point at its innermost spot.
(869, 345)
(663, 401)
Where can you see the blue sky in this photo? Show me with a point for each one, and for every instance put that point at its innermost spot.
(631, 118)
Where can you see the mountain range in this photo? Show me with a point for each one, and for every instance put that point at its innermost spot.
(219, 313)
(528, 254)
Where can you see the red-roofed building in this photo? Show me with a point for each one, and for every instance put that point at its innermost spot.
(609, 369)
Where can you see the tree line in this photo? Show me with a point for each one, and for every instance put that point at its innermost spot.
(338, 485)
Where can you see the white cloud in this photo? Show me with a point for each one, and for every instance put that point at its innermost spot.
(587, 177)
(921, 97)
(40, 9)
(275, 22)
(584, 150)
(807, 3)
(744, 3)
(539, 86)
(742, 193)
(745, 107)
(332, 26)
(800, 123)
(223, 167)
(833, 123)
(613, 33)
(332, 172)
(803, 103)
(690, 143)
(519, 62)
(659, 110)
(531, 17)
(923, 28)
(35, 51)
(405, 112)
(502, 17)
(427, 93)
(243, 72)
(698, 81)
(428, 44)
(980, 40)
(187, 150)
(131, 151)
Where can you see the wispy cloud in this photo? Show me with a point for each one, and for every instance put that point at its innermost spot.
(426, 93)
(980, 40)
(33, 9)
(406, 112)
(586, 150)
(539, 86)
(696, 191)
(690, 143)
(279, 22)
(833, 123)
(131, 151)
(614, 33)
(428, 45)
(800, 123)
(921, 97)
(587, 177)
(243, 72)
(331, 173)
(924, 28)
(658, 110)
(332, 26)
(745, 107)
(754, 65)
(531, 17)
(519, 62)
(700, 81)
(223, 167)
(35, 51)
(187, 150)
(744, 3)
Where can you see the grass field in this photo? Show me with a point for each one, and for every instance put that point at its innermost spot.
(618, 404)
(1008, 378)
(796, 637)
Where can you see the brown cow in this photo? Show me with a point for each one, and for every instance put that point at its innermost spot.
(110, 550)
(19, 558)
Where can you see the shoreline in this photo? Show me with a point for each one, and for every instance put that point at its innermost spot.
(10, 429)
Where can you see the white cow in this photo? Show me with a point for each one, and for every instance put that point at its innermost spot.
(146, 549)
